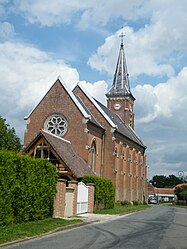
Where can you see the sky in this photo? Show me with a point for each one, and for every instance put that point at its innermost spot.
(79, 40)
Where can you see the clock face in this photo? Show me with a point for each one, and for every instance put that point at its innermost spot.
(117, 106)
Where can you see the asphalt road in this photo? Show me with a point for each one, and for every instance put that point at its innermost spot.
(160, 227)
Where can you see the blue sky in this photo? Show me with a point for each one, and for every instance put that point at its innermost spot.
(79, 40)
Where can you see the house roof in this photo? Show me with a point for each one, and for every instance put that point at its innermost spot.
(167, 192)
(181, 185)
(164, 191)
(66, 153)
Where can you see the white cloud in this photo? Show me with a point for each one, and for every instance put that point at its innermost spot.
(56, 12)
(6, 30)
(102, 12)
(146, 103)
(26, 75)
(141, 57)
(165, 100)
(96, 89)
(165, 19)
(49, 13)
(161, 118)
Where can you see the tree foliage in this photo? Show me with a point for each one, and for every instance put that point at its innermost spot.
(8, 138)
(181, 192)
(161, 181)
(104, 195)
(27, 188)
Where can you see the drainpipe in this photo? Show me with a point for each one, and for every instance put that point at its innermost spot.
(102, 154)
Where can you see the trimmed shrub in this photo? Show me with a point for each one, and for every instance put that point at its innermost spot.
(27, 188)
(104, 197)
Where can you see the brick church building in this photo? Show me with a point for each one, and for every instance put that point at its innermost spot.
(81, 136)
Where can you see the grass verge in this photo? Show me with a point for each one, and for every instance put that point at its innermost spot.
(122, 209)
(30, 229)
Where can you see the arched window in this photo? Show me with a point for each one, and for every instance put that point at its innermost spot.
(93, 156)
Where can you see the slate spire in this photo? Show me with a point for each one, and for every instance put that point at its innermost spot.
(119, 98)
(120, 86)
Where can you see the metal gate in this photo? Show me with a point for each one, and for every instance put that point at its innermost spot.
(82, 198)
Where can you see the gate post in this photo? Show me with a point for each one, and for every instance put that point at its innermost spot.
(59, 201)
(91, 190)
(74, 185)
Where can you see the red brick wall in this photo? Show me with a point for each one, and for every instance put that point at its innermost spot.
(58, 101)
(74, 185)
(126, 108)
(91, 190)
(109, 144)
(59, 201)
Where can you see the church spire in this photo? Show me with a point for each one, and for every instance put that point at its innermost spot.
(119, 98)
(120, 86)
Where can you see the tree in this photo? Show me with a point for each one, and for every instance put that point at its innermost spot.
(181, 191)
(8, 138)
(161, 181)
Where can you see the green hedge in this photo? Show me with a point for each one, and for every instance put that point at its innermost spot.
(27, 188)
(104, 197)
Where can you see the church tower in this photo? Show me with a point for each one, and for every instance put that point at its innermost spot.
(119, 98)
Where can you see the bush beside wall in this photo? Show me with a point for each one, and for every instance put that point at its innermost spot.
(27, 188)
(104, 195)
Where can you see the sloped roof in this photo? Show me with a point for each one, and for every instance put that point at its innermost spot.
(181, 185)
(95, 103)
(67, 154)
(164, 191)
(122, 128)
(114, 120)
(93, 120)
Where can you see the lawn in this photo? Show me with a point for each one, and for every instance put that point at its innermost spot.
(30, 229)
(123, 209)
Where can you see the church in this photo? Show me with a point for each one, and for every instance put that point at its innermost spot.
(83, 137)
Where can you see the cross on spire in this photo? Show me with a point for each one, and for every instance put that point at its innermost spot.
(122, 36)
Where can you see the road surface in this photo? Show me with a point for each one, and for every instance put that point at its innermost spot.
(160, 227)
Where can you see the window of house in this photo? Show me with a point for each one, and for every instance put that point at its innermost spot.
(42, 152)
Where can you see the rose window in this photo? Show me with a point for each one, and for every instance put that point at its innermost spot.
(56, 124)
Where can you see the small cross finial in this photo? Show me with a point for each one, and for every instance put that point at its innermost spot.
(122, 35)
